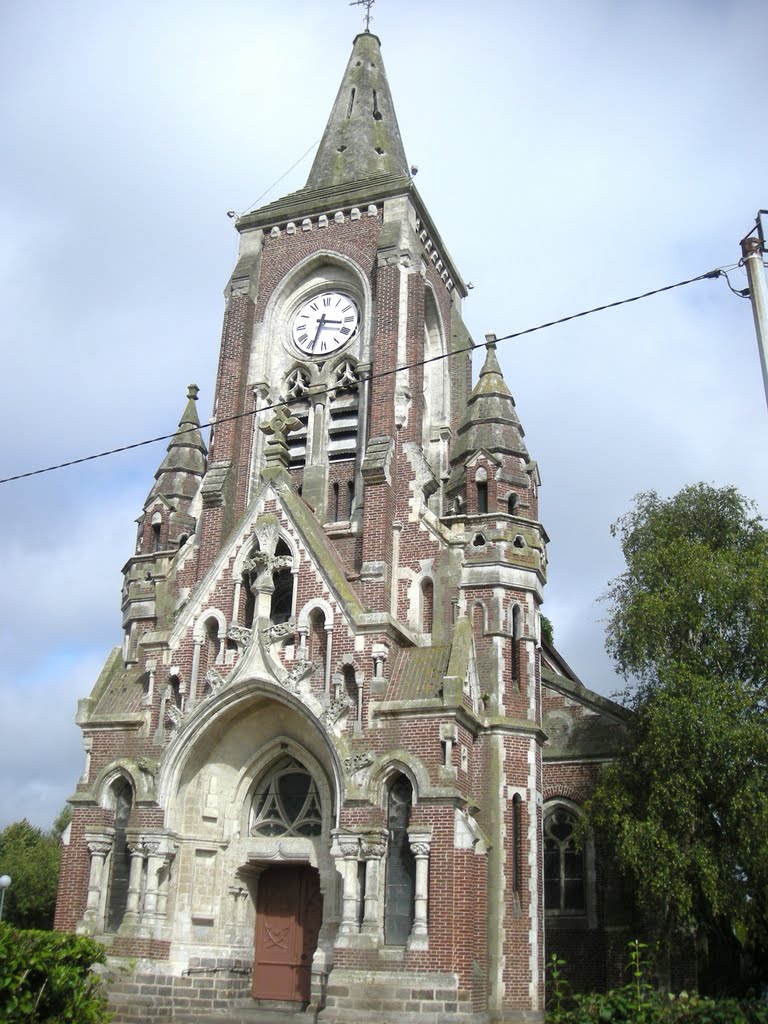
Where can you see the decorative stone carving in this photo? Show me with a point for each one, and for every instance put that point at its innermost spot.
(280, 630)
(337, 708)
(213, 680)
(148, 766)
(299, 671)
(173, 715)
(241, 635)
(356, 763)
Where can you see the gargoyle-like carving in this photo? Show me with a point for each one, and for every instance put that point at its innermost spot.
(337, 708)
(278, 631)
(356, 763)
(299, 671)
(173, 715)
(148, 767)
(213, 680)
(257, 563)
(242, 636)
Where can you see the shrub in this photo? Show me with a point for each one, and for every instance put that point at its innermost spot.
(46, 978)
(638, 1002)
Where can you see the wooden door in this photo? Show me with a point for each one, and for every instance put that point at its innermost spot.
(288, 918)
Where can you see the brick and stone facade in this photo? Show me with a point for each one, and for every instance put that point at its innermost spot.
(317, 768)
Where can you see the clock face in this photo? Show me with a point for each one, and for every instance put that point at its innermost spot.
(325, 323)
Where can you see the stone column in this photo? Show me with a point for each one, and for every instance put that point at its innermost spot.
(132, 905)
(197, 643)
(155, 860)
(420, 842)
(373, 850)
(99, 848)
(328, 660)
(348, 846)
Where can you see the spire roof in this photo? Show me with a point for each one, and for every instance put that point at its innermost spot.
(184, 464)
(490, 422)
(362, 139)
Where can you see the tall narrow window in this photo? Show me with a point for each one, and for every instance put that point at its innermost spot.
(516, 840)
(516, 633)
(318, 638)
(427, 605)
(564, 863)
(343, 414)
(296, 387)
(281, 604)
(401, 866)
(121, 857)
(482, 497)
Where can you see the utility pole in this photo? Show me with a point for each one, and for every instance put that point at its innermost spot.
(752, 249)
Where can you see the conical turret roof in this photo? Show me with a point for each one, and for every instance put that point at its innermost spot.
(183, 467)
(490, 422)
(362, 138)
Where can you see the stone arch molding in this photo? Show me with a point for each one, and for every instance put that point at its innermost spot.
(230, 703)
(253, 771)
(399, 762)
(302, 621)
(103, 787)
(322, 269)
(257, 533)
(198, 632)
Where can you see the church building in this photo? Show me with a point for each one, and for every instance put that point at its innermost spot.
(334, 765)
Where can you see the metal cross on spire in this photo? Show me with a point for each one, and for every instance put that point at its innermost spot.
(367, 4)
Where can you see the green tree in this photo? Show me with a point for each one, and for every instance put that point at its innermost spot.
(685, 806)
(31, 857)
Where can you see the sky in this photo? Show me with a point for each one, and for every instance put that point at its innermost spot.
(570, 155)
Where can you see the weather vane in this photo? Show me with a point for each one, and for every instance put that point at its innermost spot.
(367, 4)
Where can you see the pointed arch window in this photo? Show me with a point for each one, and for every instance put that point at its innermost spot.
(564, 863)
(120, 868)
(281, 605)
(343, 413)
(401, 865)
(286, 802)
(296, 391)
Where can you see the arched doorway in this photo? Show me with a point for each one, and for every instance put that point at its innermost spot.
(289, 913)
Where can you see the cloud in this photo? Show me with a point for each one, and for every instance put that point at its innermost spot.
(569, 154)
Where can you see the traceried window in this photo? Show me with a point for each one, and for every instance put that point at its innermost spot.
(286, 802)
(343, 413)
(564, 863)
(296, 390)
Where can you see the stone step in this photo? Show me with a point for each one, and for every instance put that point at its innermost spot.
(246, 1013)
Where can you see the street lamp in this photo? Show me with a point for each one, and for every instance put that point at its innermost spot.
(5, 881)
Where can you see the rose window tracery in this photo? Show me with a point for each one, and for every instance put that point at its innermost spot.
(286, 802)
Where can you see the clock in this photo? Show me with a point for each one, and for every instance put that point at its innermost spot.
(325, 323)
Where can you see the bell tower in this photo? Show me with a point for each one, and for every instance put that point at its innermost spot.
(328, 695)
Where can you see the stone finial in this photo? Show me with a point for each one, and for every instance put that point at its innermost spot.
(276, 429)
(192, 392)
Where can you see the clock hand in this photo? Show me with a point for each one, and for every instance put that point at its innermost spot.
(320, 326)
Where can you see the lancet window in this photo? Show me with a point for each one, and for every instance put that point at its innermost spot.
(296, 392)
(120, 867)
(343, 413)
(564, 863)
(401, 865)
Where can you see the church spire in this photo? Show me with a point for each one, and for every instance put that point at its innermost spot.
(178, 477)
(490, 422)
(362, 139)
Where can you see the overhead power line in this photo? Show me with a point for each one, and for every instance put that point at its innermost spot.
(709, 275)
